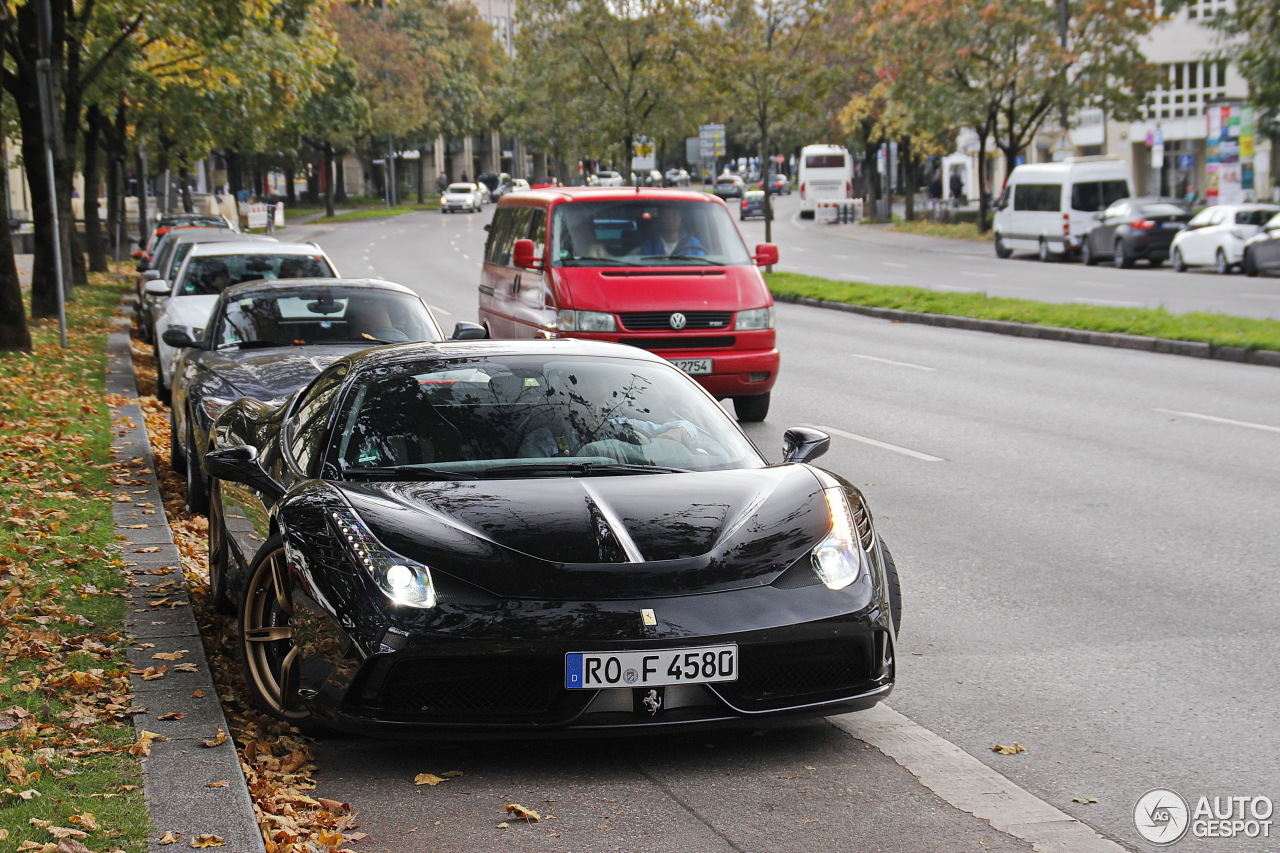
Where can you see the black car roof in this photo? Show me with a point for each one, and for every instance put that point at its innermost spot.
(250, 288)
(390, 355)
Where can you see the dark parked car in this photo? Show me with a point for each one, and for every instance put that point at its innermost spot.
(1134, 229)
(729, 186)
(267, 339)
(752, 206)
(778, 185)
(539, 536)
(1262, 251)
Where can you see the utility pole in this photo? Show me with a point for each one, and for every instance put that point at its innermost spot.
(48, 120)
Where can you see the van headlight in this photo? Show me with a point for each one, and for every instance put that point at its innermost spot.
(756, 318)
(569, 320)
(839, 558)
(404, 581)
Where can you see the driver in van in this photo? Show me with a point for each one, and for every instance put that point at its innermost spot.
(669, 236)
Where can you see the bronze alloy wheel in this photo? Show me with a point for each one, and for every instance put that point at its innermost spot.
(266, 635)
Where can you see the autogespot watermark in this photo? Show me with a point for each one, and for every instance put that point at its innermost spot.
(1163, 817)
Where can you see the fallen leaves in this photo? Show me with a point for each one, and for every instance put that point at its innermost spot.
(1011, 749)
(1084, 801)
(518, 811)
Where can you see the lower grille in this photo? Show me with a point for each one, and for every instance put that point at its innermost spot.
(690, 342)
(786, 674)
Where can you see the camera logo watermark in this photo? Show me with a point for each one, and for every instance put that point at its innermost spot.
(1163, 817)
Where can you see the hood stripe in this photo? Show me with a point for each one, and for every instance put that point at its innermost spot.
(620, 533)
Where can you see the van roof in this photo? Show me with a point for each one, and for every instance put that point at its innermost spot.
(569, 194)
(1092, 165)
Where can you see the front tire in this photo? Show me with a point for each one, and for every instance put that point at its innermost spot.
(1087, 255)
(268, 652)
(197, 483)
(177, 456)
(1250, 265)
(1123, 259)
(1179, 265)
(163, 393)
(1002, 251)
(1220, 265)
(219, 557)
(895, 588)
(752, 409)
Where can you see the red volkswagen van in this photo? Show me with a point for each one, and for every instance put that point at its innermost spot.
(661, 269)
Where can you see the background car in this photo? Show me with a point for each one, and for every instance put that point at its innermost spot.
(461, 196)
(752, 206)
(267, 339)
(609, 179)
(1262, 250)
(210, 269)
(171, 251)
(653, 178)
(517, 185)
(165, 222)
(1133, 229)
(778, 185)
(492, 181)
(1217, 234)
(676, 178)
(390, 529)
(542, 182)
(729, 186)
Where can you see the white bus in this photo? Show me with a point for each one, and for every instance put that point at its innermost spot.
(826, 172)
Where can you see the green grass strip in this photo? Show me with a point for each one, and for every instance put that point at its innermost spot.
(1217, 329)
(379, 212)
(64, 677)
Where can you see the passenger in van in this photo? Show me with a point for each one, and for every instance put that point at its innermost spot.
(670, 236)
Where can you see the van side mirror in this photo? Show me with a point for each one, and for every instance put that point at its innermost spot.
(766, 255)
(240, 464)
(523, 255)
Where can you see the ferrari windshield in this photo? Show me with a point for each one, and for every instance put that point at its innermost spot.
(646, 232)
(318, 315)
(530, 416)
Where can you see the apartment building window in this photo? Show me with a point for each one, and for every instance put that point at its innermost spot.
(1206, 8)
(1186, 87)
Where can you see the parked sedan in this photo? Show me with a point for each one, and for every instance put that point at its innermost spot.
(1133, 229)
(539, 536)
(608, 179)
(1262, 250)
(729, 186)
(676, 178)
(267, 339)
(1217, 234)
(778, 185)
(461, 196)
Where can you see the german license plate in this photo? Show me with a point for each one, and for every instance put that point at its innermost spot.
(693, 366)
(701, 665)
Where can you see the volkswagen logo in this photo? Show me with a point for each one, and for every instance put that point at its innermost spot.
(678, 320)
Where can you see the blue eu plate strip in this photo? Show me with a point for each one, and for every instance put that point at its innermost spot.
(573, 671)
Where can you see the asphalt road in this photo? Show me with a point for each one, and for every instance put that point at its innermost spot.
(1087, 541)
(866, 253)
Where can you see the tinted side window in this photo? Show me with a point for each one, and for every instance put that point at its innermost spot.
(1040, 197)
(509, 224)
(1092, 196)
(308, 421)
(538, 232)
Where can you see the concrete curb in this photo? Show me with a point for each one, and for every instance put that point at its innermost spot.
(1266, 358)
(178, 773)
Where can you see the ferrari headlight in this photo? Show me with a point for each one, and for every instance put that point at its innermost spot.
(213, 406)
(404, 581)
(839, 558)
(756, 318)
(586, 321)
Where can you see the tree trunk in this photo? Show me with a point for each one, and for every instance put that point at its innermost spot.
(326, 157)
(911, 176)
(339, 193)
(422, 181)
(290, 194)
(44, 296)
(92, 157)
(14, 333)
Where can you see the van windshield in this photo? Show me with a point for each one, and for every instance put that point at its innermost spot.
(645, 232)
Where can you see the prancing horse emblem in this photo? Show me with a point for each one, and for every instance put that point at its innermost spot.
(678, 320)
(653, 702)
(647, 617)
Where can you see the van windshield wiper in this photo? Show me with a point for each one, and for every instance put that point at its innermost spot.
(588, 261)
(700, 259)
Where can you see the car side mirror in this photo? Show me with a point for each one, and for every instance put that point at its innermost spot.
(803, 444)
(157, 287)
(240, 464)
(178, 338)
(465, 331)
(766, 255)
(523, 255)
(150, 275)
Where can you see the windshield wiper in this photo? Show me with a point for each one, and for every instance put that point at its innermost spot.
(589, 261)
(254, 344)
(586, 469)
(701, 259)
(408, 472)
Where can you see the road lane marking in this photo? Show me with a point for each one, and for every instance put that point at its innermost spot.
(1117, 303)
(980, 274)
(1217, 420)
(436, 309)
(465, 256)
(840, 257)
(1108, 284)
(883, 445)
(1262, 295)
(892, 264)
(890, 361)
(969, 785)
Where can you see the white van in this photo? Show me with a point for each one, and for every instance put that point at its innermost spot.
(826, 172)
(1049, 207)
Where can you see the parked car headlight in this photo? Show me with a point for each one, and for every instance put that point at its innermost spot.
(214, 406)
(586, 321)
(839, 558)
(404, 581)
(756, 318)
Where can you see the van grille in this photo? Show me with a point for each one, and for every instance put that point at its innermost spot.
(649, 320)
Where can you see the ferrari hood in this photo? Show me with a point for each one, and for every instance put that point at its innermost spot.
(603, 536)
(267, 373)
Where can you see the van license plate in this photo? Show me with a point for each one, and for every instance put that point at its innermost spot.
(693, 366)
(700, 665)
